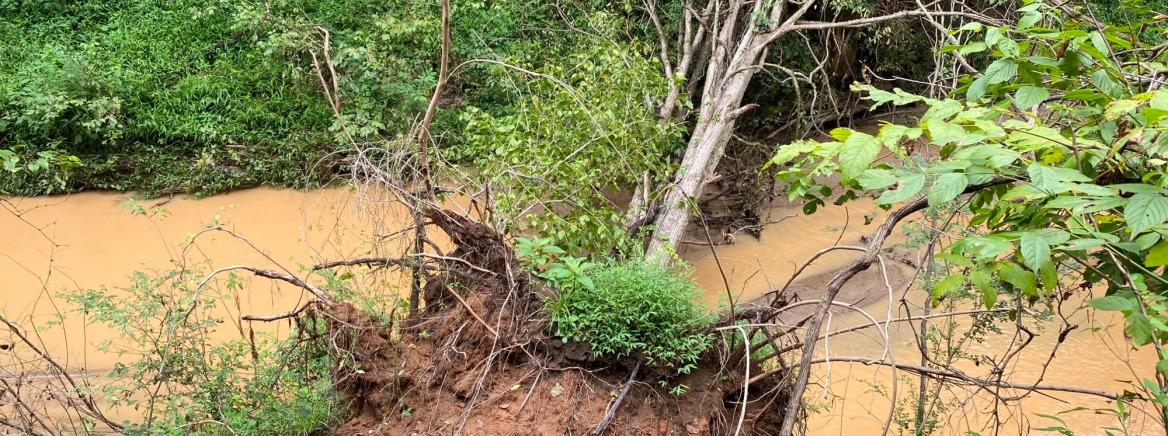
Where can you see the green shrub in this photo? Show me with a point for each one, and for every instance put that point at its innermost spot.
(634, 309)
(259, 385)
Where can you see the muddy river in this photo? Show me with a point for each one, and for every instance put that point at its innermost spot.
(91, 240)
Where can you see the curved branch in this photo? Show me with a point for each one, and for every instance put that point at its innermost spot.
(810, 260)
(279, 316)
(861, 22)
(833, 288)
(266, 273)
(91, 407)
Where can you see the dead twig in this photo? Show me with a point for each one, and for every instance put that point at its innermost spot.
(612, 410)
(466, 306)
(938, 373)
(289, 314)
(90, 407)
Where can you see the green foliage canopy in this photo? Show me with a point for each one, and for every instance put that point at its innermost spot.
(1070, 119)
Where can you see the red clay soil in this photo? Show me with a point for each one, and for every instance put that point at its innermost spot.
(444, 372)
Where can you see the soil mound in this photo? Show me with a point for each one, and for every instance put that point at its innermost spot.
(475, 361)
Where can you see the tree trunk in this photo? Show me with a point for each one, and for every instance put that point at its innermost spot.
(701, 158)
(735, 46)
(727, 76)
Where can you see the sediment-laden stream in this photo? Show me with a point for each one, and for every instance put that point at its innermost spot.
(91, 240)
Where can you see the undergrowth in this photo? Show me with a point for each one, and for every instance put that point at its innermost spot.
(177, 369)
(204, 96)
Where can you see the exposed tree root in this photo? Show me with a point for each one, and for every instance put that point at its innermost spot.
(476, 360)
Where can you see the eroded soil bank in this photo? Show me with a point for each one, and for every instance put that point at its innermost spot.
(477, 361)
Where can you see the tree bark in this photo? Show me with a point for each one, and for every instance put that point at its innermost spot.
(734, 58)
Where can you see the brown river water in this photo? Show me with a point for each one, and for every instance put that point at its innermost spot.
(91, 240)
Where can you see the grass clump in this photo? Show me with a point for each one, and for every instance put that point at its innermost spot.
(635, 309)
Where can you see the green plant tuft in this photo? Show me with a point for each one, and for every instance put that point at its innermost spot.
(634, 309)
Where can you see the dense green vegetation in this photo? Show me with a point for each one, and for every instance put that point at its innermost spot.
(205, 95)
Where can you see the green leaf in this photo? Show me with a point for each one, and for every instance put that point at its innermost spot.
(954, 259)
(973, 47)
(791, 151)
(1130, 247)
(1099, 42)
(1157, 256)
(1082, 244)
(1029, 96)
(1034, 250)
(858, 153)
(1009, 48)
(1162, 366)
(993, 35)
(1119, 108)
(1032, 138)
(1104, 82)
(972, 26)
(1025, 193)
(1147, 241)
(1000, 71)
(841, 134)
(1022, 279)
(1100, 205)
(1049, 276)
(876, 179)
(1068, 201)
(977, 89)
(1043, 178)
(1111, 303)
(947, 285)
(1052, 179)
(1138, 329)
(983, 281)
(905, 189)
(1053, 237)
(1028, 19)
(891, 134)
(1144, 211)
(947, 187)
(1139, 188)
(988, 247)
(1159, 100)
(945, 133)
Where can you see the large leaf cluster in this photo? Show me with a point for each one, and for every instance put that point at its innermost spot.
(1072, 120)
(584, 132)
